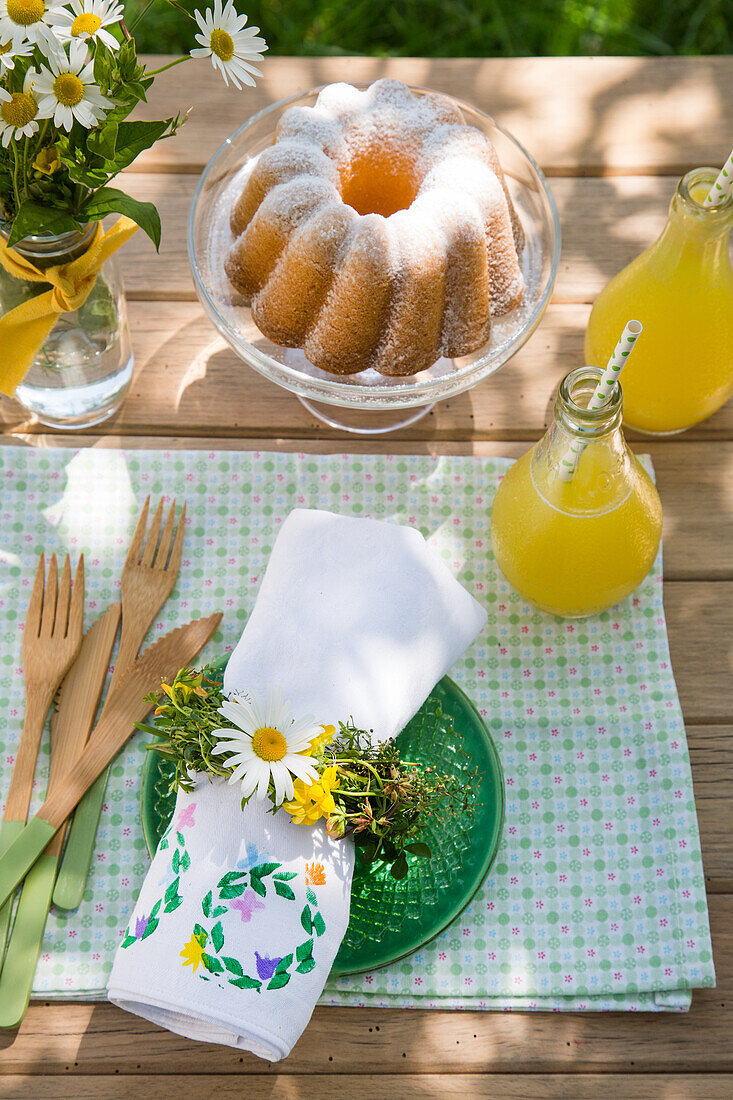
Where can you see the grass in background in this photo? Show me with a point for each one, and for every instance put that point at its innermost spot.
(461, 28)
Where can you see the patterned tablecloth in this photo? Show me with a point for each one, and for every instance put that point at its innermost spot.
(597, 898)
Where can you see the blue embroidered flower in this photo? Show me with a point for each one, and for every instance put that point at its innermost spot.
(266, 966)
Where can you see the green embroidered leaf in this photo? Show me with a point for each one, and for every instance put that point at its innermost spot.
(181, 839)
(231, 892)
(285, 876)
(128, 940)
(156, 908)
(319, 924)
(206, 905)
(200, 934)
(218, 912)
(278, 981)
(172, 890)
(151, 926)
(306, 966)
(284, 965)
(172, 905)
(311, 896)
(305, 919)
(212, 964)
(232, 965)
(217, 936)
(257, 885)
(230, 877)
(304, 950)
(284, 890)
(263, 869)
(176, 861)
(185, 861)
(163, 844)
(246, 983)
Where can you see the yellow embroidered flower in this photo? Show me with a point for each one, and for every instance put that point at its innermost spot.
(312, 801)
(328, 733)
(192, 953)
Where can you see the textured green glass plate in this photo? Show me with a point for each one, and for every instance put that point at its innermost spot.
(392, 919)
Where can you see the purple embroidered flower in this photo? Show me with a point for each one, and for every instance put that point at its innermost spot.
(247, 904)
(140, 925)
(266, 966)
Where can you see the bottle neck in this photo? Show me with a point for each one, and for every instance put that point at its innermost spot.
(582, 465)
(47, 250)
(693, 230)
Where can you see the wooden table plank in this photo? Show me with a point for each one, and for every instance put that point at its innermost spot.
(86, 1039)
(711, 756)
(372, 1087)
(577, 116)
(605, 224)
(189, 382)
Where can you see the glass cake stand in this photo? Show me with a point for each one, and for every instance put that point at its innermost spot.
(366, 403)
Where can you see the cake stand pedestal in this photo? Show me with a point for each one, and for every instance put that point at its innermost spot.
(365, 421)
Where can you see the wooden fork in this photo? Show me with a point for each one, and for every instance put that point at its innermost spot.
(148, 577)
(51, 641)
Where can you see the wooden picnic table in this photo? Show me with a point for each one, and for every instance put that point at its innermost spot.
(613, 135)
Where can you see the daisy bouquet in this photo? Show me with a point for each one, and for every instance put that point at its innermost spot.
(69, 80)
(314, 772)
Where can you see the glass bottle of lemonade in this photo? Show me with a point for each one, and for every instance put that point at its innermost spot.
(681, 288)
(576, 543)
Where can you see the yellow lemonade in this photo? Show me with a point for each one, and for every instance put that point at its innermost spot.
(681, 289)
(577, 546)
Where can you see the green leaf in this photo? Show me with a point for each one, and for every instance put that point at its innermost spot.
(151, 926)
(185, 861)
(212, 964)
(285, 876)
(230, 877)
(176, 861)
(206, 905)
(306, 966)
(233, 965)
(278, 981)
(231, 892)
(399, 868)
(133, 138)
(218, 912)
(33, 218)
(257, 885)
(108, 200)
(163, 844)
(304, 950)
(419, 849)
(311, 896)
(246, 983)
(128, 941)
(284, 891)
(217, 936)
(180, 836)
(102, 142)
(284, 965)
(173, 904)
(306, 920)
(319, 924)
(200, 934)
(156, 908)
(172, 890)
(263, 869)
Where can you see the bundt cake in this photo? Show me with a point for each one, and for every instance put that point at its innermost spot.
(376, 231)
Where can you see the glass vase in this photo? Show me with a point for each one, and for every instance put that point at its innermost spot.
(81, 374)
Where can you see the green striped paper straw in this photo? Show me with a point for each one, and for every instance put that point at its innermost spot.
(721, 188)
(603, 391)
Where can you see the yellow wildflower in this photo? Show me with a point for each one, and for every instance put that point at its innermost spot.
(312, 801)
(47, 160)
(328, 734)
(192, 953)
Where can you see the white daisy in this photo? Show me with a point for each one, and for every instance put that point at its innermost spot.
(66, 91)
(230, 47)
(88, 19)
(10, 52)
(18, 111)
(270, 745)
(29, 21)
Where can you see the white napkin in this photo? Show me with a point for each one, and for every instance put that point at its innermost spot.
(354, 618)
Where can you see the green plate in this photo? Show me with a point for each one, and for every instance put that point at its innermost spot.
(392, 919)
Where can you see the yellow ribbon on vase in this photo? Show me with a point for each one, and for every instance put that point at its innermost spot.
(24, 329)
